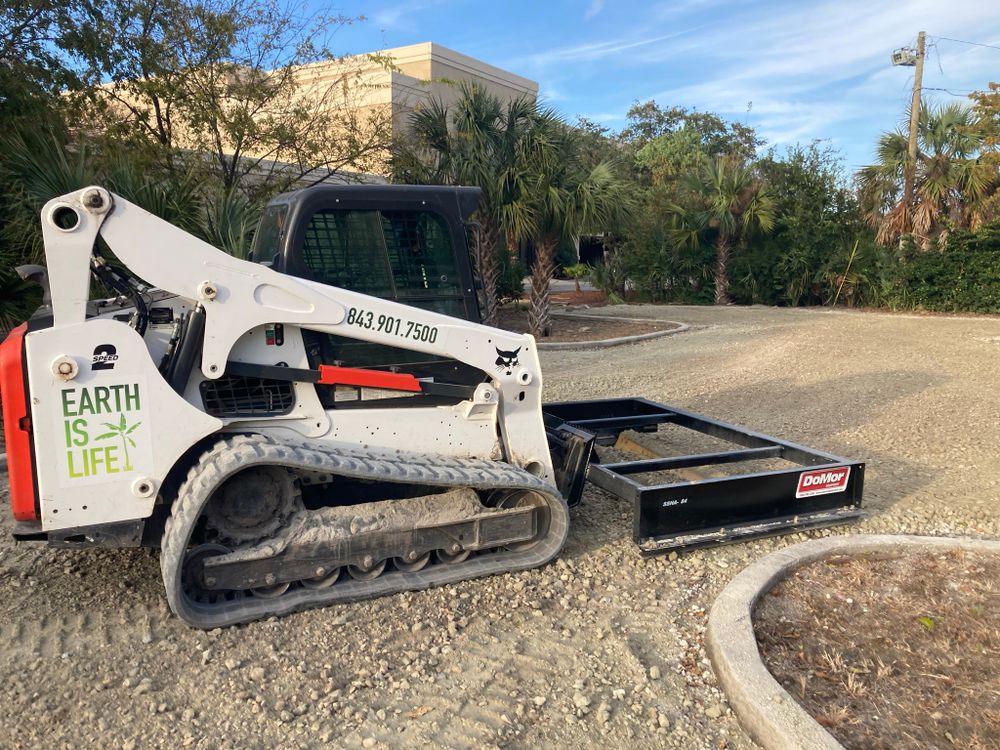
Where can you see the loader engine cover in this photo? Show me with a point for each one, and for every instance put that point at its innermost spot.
(109, 434)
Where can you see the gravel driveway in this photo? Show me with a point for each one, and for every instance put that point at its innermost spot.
(601, 649)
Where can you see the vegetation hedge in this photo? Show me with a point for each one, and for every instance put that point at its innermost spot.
(963, 276)
(960, 274)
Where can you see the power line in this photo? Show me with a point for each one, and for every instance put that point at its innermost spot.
(948, 91)
(963, 41)
(937, 55)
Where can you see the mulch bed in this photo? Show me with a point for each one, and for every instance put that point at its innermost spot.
(593, 299)
(515, 318)
(899, 650)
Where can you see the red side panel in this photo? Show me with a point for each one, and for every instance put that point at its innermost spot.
(17, 426)
(390, 381)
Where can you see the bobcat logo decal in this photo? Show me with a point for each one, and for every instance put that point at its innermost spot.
(507, 360)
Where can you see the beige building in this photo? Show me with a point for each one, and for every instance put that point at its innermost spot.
(338, 117)
(383, 88)
(416, 73)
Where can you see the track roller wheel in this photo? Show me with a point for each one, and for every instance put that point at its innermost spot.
(452, 558)
(412, 566)
(321, 580)
(368, 570)
(270, 592)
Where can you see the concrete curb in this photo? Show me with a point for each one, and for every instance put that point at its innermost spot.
(770, 715)
(605, 343)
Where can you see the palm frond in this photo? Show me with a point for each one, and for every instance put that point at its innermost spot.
(230, 221)
(949, 184)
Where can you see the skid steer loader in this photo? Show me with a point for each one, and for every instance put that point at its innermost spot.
(329, 421)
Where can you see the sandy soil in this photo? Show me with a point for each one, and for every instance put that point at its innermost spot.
(601, 649)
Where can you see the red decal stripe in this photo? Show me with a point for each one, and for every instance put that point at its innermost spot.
(392, 381)
(17, 426)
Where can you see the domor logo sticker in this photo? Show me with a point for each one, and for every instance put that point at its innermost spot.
(823, 482)
(106, 432)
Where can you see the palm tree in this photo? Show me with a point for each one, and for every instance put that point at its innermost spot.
(951, 182)
(480, 140)
(724, 200)
(35, 167)
(565, 200)
(17, 299)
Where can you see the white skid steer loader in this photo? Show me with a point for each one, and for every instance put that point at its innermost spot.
(331, 422)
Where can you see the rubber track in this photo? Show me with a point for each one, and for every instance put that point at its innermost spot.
(240, 452)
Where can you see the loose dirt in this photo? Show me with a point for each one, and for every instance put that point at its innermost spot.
(891, 651)
(602, 648)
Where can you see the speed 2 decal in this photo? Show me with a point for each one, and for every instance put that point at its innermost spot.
(105, 356)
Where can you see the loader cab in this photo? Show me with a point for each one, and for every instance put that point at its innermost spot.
(406, 243)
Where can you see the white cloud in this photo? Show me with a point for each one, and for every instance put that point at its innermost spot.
(591, 50)
(552, 94)
(389, 18)
(604, 117)
(400, 15)
(673, 8)
(818, 66)
(817, 69)
(595, 7)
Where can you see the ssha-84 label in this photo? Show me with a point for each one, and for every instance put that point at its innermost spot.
(392, 325)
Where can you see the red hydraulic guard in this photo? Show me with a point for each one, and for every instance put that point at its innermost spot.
(390, 381)
(17, 426)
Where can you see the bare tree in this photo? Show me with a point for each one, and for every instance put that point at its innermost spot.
(250, 88)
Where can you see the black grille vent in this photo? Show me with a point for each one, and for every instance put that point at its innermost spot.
(239, 396)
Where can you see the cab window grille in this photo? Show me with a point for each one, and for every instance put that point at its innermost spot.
(420, 254)
(398, 255)
(346, 249)
(238, 396)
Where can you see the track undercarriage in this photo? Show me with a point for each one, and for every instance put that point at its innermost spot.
(243, 542)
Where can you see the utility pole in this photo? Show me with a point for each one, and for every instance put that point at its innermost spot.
(911, 162)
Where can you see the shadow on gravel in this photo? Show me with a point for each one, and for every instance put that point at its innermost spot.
(600, 519)
(821, 415)
(817, 411)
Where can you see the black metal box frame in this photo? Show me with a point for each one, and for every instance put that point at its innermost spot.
(706, 511)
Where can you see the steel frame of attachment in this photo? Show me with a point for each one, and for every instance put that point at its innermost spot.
(716, 510)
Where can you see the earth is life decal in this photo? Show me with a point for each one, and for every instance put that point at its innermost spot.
(106, 432)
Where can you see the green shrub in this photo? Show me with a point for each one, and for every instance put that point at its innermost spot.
(566, 255)
(510, 280)
(656, 269)
(611, 278)
(963, 276)
(576, 272)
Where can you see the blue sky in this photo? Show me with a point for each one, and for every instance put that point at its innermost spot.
(794, 70)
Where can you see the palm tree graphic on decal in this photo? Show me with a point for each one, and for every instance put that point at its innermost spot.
(123, 431)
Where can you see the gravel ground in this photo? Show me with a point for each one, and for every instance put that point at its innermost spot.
(601, 649)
